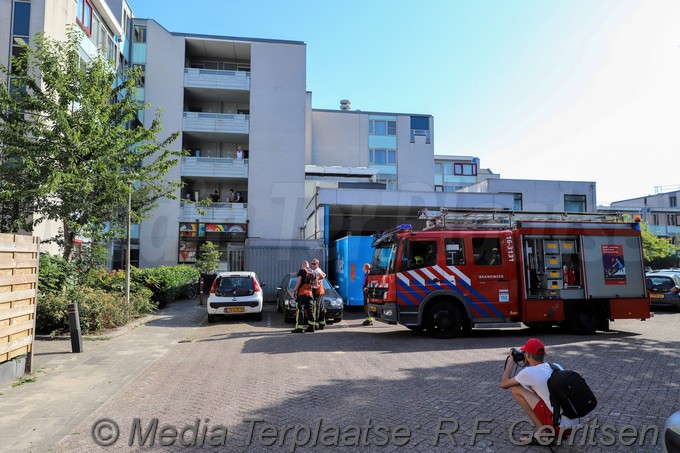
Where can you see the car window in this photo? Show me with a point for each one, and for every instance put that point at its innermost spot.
(293, 282)
(237, 283)
(658, 283)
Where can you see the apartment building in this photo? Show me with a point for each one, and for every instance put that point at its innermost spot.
(303, 176)
(103, 25)
(659, 211)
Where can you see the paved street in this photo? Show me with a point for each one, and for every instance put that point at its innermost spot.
(254, 386)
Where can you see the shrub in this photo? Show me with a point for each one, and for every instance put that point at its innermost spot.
(169, 283)
(56, 274)
(98, 309)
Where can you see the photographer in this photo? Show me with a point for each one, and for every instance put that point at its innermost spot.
(530, 388)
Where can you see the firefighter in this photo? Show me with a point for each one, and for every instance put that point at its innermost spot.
(369, 318)
(305, 320)
(318, 293)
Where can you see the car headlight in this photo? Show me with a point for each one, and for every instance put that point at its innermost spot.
(336, 302)
(291, 303)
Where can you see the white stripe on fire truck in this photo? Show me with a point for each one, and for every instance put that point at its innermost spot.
(457, 271)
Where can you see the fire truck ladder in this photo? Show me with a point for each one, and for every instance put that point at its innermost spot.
(493, 219)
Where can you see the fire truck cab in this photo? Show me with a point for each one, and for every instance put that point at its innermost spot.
(448, 279)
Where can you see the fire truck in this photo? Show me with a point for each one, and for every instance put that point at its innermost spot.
(492, 269)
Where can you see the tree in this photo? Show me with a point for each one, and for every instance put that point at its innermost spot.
(208, 258)
(654, 247)
(72, 147)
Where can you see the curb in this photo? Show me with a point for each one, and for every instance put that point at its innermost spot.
(118, 331)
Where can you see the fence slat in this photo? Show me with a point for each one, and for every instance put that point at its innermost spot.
(18, 279)
(16, 344)
(18, 264)
(15, 312)
(16, 295)
(18, 327)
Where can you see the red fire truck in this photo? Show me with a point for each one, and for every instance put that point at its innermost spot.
(497, 269)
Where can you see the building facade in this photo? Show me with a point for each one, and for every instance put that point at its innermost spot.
(266, 173)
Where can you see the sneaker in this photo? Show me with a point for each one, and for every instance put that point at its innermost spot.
(310, 329)
(297, 331)
(367, 322)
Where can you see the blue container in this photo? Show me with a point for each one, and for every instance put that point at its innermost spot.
(351, 254)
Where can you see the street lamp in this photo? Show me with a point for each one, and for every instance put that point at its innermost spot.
(127, 245)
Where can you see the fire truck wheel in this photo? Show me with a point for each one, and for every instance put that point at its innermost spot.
(584, 321)
(444, 320)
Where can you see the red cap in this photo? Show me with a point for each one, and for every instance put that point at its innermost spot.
(533, 346)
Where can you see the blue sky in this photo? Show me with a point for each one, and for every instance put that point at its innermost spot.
(584, 90)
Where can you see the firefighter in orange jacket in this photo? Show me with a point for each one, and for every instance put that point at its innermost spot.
(304, 313)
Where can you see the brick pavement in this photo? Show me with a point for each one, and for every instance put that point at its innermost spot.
(347, 376)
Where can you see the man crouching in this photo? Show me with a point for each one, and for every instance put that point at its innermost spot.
(530, 389)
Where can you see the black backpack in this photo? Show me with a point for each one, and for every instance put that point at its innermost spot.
(569, 394)
(309, 277)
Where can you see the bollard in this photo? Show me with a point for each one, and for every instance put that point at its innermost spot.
(74, 327)
(200, 291)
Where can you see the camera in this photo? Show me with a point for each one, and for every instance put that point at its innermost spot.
(517, 355)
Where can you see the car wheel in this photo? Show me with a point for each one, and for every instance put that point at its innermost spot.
(258, 316)
(337, 319)
(211, 318)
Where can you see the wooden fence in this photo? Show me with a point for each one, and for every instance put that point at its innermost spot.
(19, 258)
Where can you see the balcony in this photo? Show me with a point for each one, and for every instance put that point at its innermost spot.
(215, 213)
(223, 123)
(217, 167)
(216, 79)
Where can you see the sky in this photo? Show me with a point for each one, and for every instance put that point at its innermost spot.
(575, 90)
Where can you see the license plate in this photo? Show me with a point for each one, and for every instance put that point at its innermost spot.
(374, 309)
(234, 310)
(656, 296)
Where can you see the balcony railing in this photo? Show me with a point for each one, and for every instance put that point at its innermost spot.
(216, 212)
(217, 79)
(222, 167)
(216, 122)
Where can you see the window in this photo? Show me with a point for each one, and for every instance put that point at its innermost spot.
(438, 168)
(575, 203)
(438, 188)
(22, 17)
(421, 254)
(84, 15)
(382, 156)
(487, 251)
(517, 206)
(655, 219)
(448, 169)
(673, 201)
(420, 126)
(465, 169)
(382, 127)
(140, 34)
(390, 181)
(455, 252)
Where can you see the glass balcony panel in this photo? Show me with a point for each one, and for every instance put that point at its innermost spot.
(216, 122)
(215, 213)
(217, 79)
(222, 167)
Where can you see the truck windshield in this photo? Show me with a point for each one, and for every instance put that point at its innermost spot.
(383, 259)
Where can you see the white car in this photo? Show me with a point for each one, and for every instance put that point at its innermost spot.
(235, 293)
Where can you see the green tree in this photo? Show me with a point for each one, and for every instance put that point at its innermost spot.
(654, 247)
(208, 258)
(72, 147)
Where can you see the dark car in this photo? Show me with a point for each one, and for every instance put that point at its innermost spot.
(664, 289)
(286, 304)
